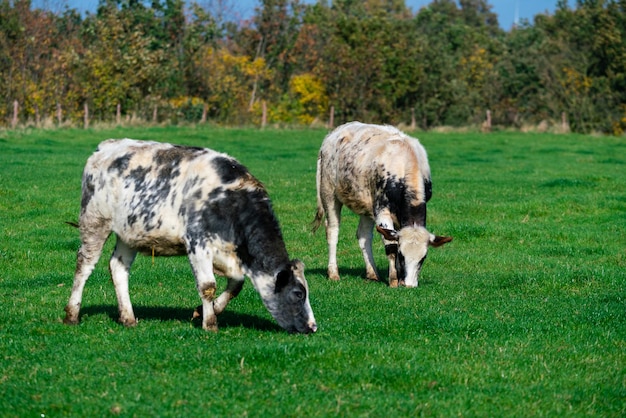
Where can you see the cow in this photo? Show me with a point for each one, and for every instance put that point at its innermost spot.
(382, 175)
(169, 200)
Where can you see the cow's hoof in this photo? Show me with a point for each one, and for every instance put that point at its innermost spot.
(128, 322)
(393, 283)
(71, 315)
(211, 326)
(332, 272)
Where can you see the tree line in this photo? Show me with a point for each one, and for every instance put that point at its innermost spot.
(447, 64)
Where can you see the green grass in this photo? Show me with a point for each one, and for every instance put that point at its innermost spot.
(523, 314)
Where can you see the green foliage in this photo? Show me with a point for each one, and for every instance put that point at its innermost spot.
(446, 63)
(120, 66)
(521, 315)
(305, 101)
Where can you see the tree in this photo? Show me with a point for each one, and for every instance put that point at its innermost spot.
(227, 80)
(372, 60)
(119, 66)
(277, 23)
(584, 55)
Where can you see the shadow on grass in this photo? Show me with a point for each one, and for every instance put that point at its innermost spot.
(350, 274)
(224, 320)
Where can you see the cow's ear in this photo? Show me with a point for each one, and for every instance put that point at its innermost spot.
(297, 267)
(388, 234)
(282, 279)
(437, 241)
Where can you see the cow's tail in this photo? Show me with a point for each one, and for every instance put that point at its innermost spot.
(319, 214)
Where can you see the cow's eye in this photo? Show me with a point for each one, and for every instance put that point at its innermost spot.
(299, 294)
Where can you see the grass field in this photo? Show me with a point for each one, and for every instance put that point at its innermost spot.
(523, 314)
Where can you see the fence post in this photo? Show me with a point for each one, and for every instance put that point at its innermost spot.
(118, 114)
(412, 118)
(264, 115)
(16, 108)
(205, 110)
(487, 123)
(59, 114)
(331, 118)
(86, 116)
(154, 114)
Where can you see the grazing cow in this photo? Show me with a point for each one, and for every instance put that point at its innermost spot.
(168, 200)
(382, 175)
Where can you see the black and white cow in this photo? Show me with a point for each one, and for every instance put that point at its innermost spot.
(382, 175)
(168, 200)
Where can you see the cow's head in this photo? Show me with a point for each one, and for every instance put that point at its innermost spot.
(291, 307)
(413, 243)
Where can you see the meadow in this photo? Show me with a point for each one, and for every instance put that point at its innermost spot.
(523, 314)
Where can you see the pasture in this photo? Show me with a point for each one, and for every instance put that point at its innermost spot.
(523, 314)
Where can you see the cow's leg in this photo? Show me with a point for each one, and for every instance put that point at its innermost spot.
(119, 265)
(201, 261)
(364, 236)
(391, 246)
(333, 220)
(86, 259)
(232, 290)
(391, 256)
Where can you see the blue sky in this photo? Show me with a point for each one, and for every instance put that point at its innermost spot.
(507, 10)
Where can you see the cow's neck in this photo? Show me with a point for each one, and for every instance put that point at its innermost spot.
(263, 250)
(267, 255)
(416, 215)
(403, 215)
(245, 218)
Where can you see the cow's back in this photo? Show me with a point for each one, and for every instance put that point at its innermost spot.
(358, 160)
(142, 189)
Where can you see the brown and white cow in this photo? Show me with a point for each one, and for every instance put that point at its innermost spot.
(382, 175)
(168, 200)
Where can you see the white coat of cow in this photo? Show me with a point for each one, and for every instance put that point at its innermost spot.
(382, 175)
(165, 199)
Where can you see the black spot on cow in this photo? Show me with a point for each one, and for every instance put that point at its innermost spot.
(282, 280)
(168, 161)
(88, 190)
(190, 184)
(400, 265)
(191, 151)
(176, 154)
(168, 172)
(391, 249)
(417, 215)
(120, 164)
(137, 177)
(398, 197)
(216, 193)
(173, 198)
(229, 169)
(428, 189)
(131, 219)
